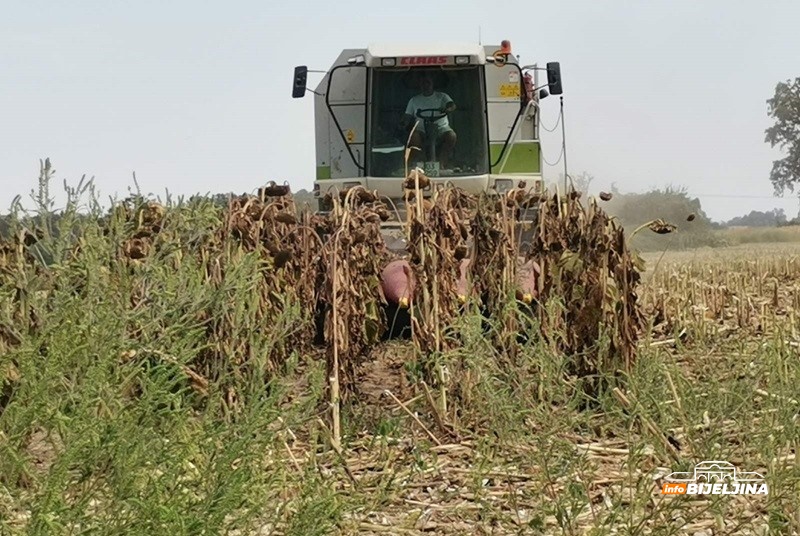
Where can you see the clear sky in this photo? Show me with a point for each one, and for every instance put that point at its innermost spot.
(195, 97)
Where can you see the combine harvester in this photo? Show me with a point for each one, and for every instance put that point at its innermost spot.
(397, 121)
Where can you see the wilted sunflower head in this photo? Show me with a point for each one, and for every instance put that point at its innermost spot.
(659, 226)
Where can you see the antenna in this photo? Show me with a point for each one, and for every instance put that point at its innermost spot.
(479, 35)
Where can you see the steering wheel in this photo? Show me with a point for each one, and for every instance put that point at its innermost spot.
(433, 114)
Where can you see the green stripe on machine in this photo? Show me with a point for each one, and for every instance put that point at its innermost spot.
(323, 172)
(521, 157)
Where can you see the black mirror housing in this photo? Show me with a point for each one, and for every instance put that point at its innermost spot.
(300, 81)
(543, 94)
(554, 78)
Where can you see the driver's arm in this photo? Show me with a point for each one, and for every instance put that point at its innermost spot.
(449, 105)
(408, 117)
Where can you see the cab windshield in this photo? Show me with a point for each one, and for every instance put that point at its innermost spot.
(440, 109)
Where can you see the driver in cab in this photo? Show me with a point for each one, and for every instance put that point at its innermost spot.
(435, 105)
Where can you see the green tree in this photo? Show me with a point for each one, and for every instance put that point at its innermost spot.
(784, 108)
(771, 218)
(673, 205)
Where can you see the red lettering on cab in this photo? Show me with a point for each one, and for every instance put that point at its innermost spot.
(423, 60)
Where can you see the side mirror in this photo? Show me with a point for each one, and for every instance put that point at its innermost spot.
(300, 81)
(543, 94)
(554, 78)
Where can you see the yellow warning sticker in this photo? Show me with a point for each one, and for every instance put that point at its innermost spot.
(509, 90)
(350, 135)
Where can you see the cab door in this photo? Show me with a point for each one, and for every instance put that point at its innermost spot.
(346, 99)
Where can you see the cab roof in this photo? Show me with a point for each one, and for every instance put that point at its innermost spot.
(376, 51)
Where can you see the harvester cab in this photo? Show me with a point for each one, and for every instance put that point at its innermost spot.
(466, 115)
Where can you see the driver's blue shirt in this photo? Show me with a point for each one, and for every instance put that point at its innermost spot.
(437, 100)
